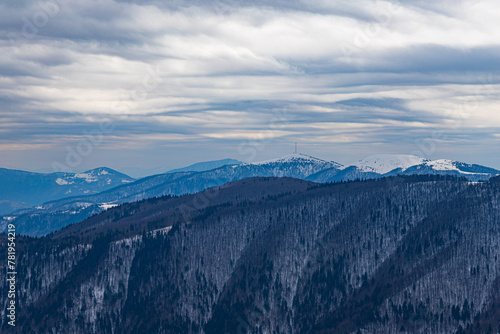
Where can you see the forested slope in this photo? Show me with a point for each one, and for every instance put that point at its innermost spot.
(409, 254)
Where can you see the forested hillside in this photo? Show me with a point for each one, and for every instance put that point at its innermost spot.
(415, 254)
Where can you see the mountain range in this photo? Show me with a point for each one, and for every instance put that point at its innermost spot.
(400, 254)
(389, 165)
(53, 215)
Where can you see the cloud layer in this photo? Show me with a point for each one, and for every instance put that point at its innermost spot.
(187, 81)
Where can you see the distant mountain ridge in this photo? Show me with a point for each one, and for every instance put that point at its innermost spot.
(56, 214)
(20, 189)
(207, 165)
(377, 166)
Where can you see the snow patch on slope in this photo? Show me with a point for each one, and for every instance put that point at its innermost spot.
(106, 206)
(62, 182)
(103, 172)
(87, 176)
(442, 164)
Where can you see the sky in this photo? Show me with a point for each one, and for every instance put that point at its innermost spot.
(163, 84)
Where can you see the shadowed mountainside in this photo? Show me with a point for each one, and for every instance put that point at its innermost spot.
(409, 254)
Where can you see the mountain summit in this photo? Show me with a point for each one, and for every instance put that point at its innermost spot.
(384, 163)
(295, 165)
(20, 189)
(299, 158)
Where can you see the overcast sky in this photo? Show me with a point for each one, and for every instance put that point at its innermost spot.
(88, 83)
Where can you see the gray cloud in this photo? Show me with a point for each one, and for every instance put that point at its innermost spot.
(193, 80)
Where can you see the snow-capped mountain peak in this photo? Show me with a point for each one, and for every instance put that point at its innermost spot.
(298, 158)
(384, 163)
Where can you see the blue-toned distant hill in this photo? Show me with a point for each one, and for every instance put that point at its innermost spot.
(207, 165)
(20, 189)
(140, 173)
